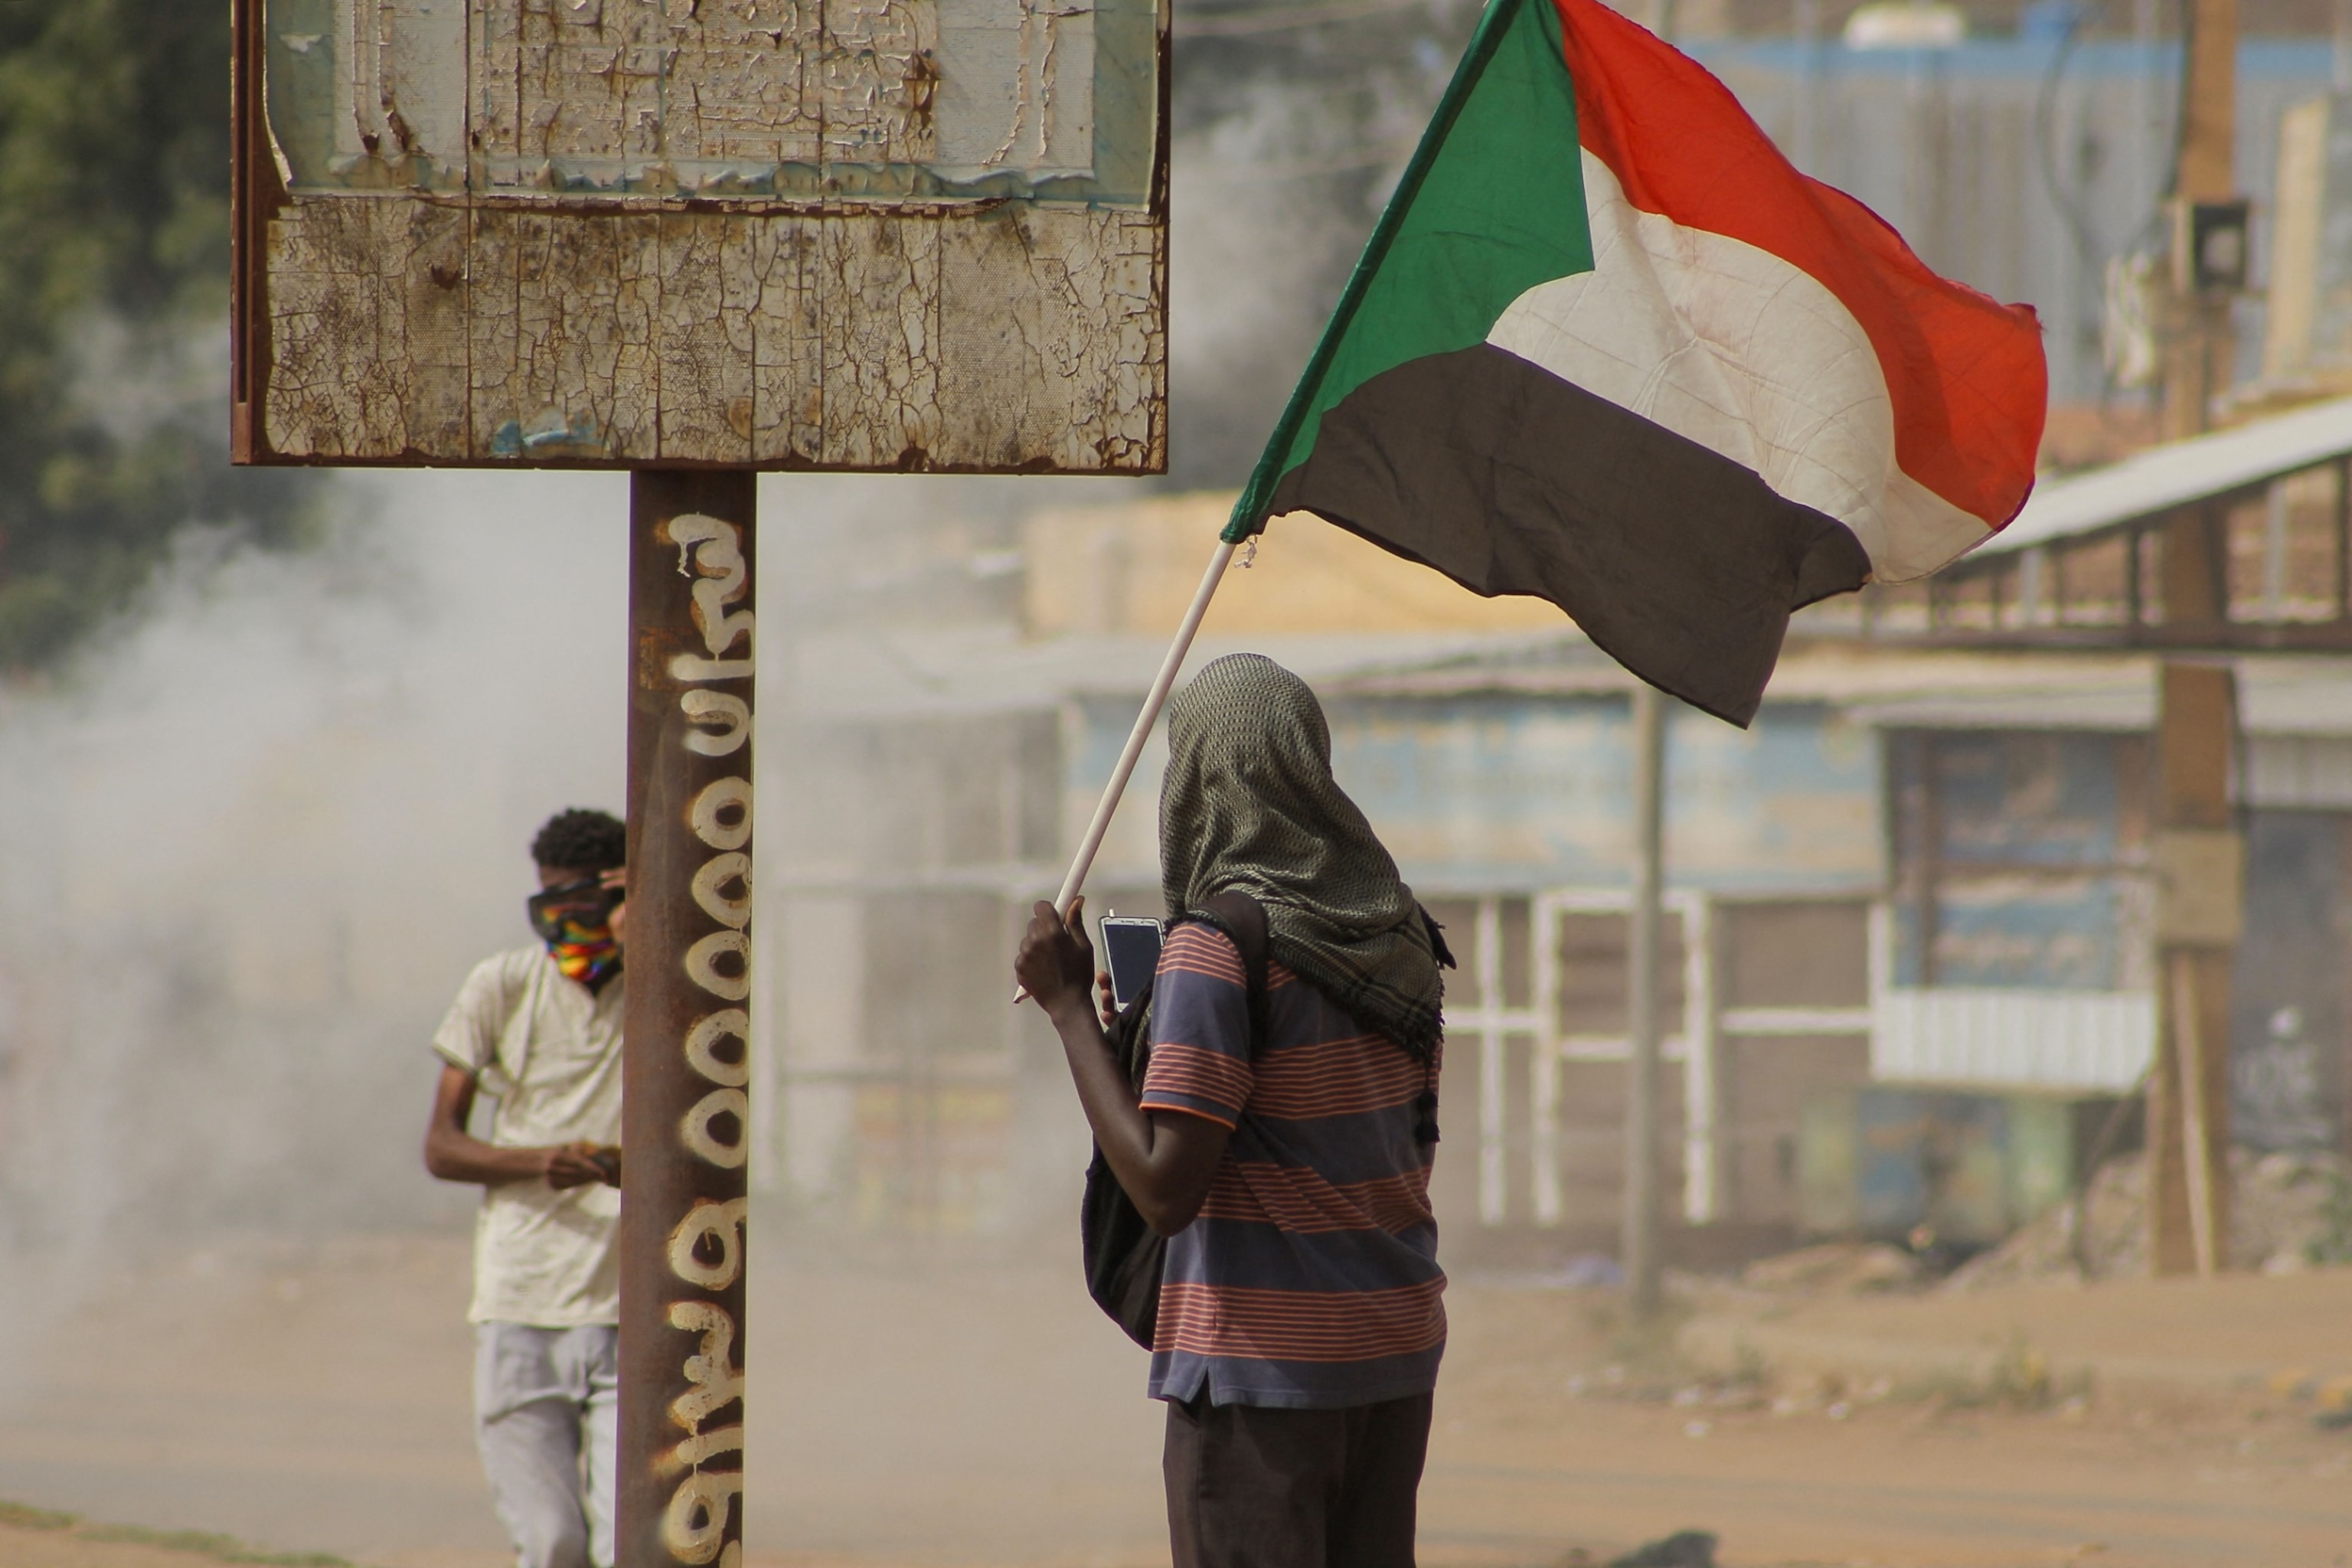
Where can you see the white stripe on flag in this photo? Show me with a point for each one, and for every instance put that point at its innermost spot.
(1731, 347)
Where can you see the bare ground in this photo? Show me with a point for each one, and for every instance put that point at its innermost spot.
(315, 1399)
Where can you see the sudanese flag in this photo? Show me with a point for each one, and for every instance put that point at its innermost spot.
(1607, 347)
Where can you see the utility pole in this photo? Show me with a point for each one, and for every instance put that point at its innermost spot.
(1644, 1139)
(2208, 253)
(2198, 858)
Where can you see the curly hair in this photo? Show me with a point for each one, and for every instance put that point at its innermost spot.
(582, 840)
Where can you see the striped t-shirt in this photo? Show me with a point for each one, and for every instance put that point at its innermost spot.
(1311, 1279)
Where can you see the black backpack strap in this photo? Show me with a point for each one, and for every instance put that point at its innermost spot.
(1131, 1035)
(1243, 919)
(1426, 1126)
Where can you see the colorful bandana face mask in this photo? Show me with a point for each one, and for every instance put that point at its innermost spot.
(575, 921)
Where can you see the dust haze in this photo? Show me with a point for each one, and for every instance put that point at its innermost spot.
(251, 842)
(254, 838)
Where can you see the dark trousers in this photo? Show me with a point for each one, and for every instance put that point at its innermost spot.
(1255, 1487)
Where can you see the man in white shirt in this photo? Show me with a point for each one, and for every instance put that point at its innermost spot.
(538, 1029)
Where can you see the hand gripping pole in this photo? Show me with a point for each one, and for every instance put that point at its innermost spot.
(1154, 700)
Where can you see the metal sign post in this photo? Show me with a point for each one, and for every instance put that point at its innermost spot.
(686, 1122)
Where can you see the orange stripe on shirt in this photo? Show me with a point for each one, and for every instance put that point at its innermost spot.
(1300, 1325)
(1197, 1072)
(1297, 1199)
(1202, 950)
(1336, 1077)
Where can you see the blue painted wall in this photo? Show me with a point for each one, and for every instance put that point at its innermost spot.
(1507, 792)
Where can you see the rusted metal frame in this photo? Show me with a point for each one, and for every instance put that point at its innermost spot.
(686, 1067)
(2237, 636)
(2210, 631)
(240, 79)
(1969, 870)
(2134, 576)
(2193, 572)
(254, 194)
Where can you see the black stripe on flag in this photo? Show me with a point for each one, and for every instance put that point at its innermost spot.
(1679, 562)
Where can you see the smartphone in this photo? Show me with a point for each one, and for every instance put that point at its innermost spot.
(1130, 945)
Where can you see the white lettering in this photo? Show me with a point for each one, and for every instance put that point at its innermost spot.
(702, 964)
(696, 1524)
(729, 720)
(727, 1023)
(716, 873)
(718, 1222)
(705, 1248)
(690, 1454)
(718, 798)
(723, 577)
(695, 1127)
(691, 667)
(712, 1373)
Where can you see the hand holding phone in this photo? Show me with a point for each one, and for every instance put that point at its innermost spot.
(1130, 946)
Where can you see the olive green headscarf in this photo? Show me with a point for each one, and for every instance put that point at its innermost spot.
(1249, 804)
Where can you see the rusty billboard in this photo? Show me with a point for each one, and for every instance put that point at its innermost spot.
(882, 235)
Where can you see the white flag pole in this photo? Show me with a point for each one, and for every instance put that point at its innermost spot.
(1154, 701)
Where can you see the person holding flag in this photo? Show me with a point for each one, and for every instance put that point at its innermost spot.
(1608, 348)
(1605, 347)
(1282, 1140)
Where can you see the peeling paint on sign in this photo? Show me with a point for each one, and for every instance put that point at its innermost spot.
(1017, 337)
(716, 100)
(826, 234)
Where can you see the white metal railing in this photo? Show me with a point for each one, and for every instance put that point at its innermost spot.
(1696, 1046)
(1982, 1035)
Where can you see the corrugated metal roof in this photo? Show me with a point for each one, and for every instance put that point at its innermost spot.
(2306, 698)
(875, 674)
(2177, 473)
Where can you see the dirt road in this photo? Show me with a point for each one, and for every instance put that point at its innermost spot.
(316, 1399)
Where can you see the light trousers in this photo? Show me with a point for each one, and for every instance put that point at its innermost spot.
(546, 1405)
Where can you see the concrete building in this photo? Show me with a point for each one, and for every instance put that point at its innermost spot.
(1920, 865)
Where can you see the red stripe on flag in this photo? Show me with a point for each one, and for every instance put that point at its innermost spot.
(1964, 372)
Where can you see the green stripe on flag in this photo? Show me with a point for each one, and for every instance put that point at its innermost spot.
(1492, 204)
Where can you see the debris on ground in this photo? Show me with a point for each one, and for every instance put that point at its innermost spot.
(1836, 1268)
(1682, 1549)
(1588, 1271)
(225, 1549)
(2288, 1210)
(2331, 1397)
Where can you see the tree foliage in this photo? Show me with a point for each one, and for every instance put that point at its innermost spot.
(114, 142)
